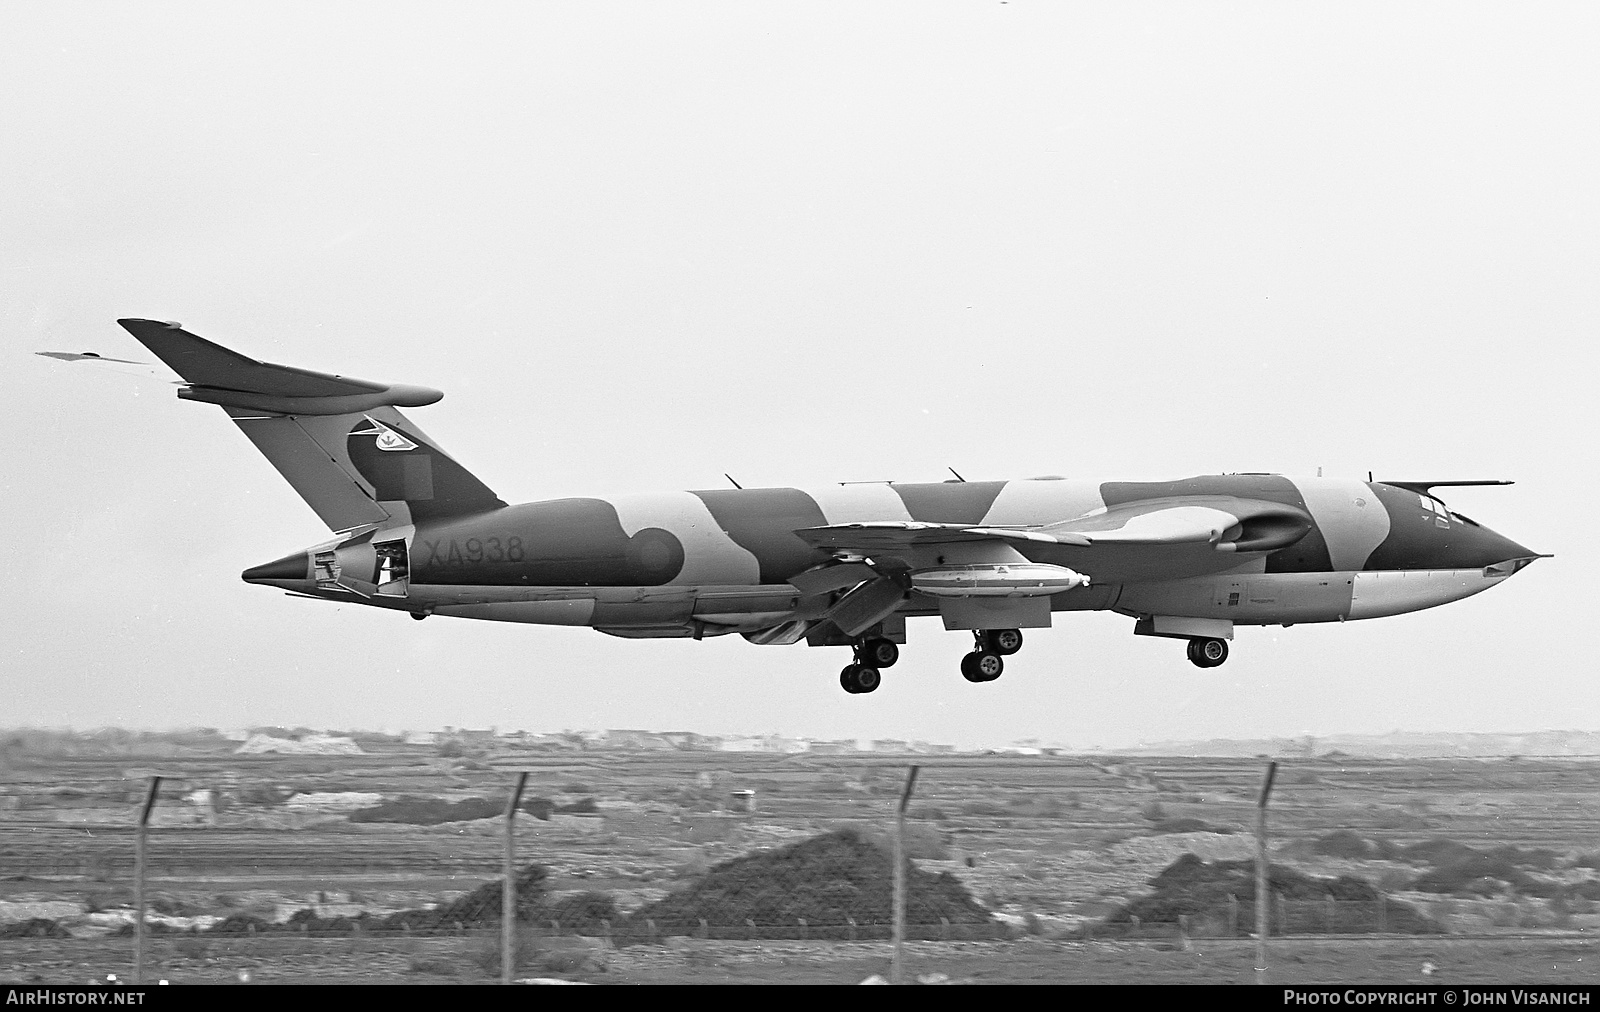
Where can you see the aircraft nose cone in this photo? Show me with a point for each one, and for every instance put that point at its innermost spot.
(290, 567)
(1480, 546)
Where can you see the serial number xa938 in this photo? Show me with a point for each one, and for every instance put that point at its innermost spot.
(471, 551)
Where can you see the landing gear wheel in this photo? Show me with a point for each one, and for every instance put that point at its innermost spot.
(878, 653)
(1004, 642)
(982, 666)
(858, 678)
(1208, 653)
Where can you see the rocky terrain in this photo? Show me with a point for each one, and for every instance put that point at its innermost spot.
(278, 860)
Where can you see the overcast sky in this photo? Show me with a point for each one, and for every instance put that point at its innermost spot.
(641, 245)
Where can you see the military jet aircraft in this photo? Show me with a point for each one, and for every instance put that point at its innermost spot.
(846, 565)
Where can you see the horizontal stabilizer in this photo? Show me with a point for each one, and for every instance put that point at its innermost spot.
(341, 442)
(86, 356)
(218, 375)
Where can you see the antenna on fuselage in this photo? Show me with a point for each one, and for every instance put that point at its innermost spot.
(731, 481)
(956, 473)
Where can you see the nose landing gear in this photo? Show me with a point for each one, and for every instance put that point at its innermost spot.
(1207, 653)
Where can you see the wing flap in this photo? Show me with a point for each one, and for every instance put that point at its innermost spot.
(830, 578)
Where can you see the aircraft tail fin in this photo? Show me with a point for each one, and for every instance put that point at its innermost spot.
(340, 441)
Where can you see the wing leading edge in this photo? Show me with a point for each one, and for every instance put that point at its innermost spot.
(1227, 523)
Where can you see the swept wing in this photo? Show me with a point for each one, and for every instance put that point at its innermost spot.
(1227, 523)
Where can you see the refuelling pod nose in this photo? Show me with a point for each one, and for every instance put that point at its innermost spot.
(295, 568)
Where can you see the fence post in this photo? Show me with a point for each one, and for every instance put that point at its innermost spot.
(1332, 912)
(1383, 913)
(1261, 874)
(138, 880)
(897, 972)
(1233, 916)
(508, 894)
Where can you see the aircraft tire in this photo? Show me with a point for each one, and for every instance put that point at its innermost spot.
(878, 653)
(1208, 653)
(1214, 651)
(1004, 642)
(859, 678)
(982, 666)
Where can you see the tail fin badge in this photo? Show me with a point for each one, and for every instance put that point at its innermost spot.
(388, 439)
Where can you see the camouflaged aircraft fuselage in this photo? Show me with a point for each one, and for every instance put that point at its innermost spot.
(703, 562)
(839, 564)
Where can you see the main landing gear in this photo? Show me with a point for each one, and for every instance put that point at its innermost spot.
(984, 664)
(858, 678)
(1207, 653)
(871, 656)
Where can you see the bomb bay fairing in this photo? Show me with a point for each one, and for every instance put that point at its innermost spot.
(843, 565)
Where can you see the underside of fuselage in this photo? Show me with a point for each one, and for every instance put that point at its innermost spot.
(697, 564)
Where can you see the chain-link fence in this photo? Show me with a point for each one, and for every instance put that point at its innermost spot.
(387, 863)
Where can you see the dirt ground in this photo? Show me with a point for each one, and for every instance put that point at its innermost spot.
(1049, 844)
(1028, 961)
